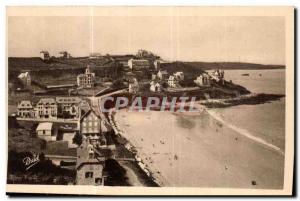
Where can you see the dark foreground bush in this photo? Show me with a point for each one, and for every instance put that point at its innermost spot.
(116, 174)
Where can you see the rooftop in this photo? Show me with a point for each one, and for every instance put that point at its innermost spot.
(163, 72)
(23, 75)
(68, 99)
(47, 101)
(25, 104)
(140, 61)
(44, 126)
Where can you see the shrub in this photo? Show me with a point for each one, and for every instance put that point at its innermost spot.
(77, 139)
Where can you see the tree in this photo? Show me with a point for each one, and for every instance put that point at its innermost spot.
(77, 139)
(60, 110)
(118, 83)
(146, 54)
(42, 156)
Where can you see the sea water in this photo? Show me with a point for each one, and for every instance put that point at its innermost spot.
(265, 121)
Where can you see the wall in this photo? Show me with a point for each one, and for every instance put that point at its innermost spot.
(97, 173)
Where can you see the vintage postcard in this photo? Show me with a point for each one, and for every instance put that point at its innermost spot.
(150, 100)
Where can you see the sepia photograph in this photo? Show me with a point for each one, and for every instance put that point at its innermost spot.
(150, 100)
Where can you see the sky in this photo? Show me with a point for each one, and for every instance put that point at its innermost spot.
(251, 39)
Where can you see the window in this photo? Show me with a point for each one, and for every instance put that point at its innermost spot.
(98, 181)
(89, 175)
(44, 132)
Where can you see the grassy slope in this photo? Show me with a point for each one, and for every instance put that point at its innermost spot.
(57, 70)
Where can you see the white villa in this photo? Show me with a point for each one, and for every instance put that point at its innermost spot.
(25, 78)
(25, 109)
(69, 106)
(133, 86)
(155, 86)
(179, 75)
(173, 81)
(86, 80)
(46, 108)
(44, 55)
(45, 131)
(203, 80)
(54, 108)
(218, 75)
(138, 64)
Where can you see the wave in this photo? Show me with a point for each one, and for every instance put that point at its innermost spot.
(245, 132)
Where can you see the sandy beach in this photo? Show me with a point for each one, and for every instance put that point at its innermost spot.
(199, 151)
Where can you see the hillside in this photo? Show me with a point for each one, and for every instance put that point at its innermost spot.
(190, 71)
(233, 66)
(193, 69)
(59, 68)
(36, 64)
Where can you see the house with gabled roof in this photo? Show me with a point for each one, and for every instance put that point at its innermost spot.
(44, 55)
(86, 80)
(138, 64)
(25, 109)
(25, 78)
(203, 80)
(90, 164)
(68, 107)
(91, 126)
(46, 131)
(46, 108)
(155, 86)
(163, 74)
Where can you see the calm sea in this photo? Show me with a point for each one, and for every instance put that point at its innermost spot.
(266, 121)
(217, 148)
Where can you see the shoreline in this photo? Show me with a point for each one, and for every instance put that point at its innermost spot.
(249, 99)
(150, 164)
(246, 133)
(129, 147)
